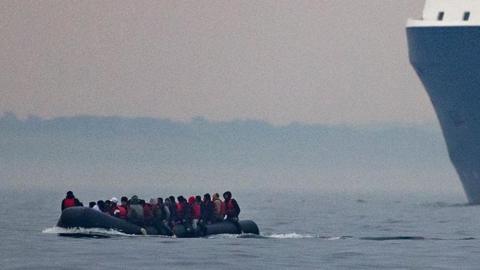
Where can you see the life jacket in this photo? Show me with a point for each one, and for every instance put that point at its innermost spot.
(122, 212)
(179, 210)
(196, 211)
(230, 208)
(69, 202)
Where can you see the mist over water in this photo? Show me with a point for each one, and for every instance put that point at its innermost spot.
(137, 154)
(330, 197)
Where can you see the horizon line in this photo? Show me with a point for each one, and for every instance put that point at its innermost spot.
(370, 124)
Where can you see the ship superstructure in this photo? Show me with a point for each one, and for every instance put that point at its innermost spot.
(444, 47)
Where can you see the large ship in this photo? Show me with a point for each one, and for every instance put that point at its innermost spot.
(444, 48)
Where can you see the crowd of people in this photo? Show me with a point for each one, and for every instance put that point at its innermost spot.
(164, 214)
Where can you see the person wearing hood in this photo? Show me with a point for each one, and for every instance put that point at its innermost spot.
(207, 209)
(135, 211)
(70, 201)
(232, 210)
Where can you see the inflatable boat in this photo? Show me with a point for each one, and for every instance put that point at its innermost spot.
(83, 217)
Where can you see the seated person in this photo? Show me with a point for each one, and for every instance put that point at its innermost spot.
(232, 210)
(70, 201)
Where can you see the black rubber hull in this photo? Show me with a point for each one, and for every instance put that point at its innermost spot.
(83, 217)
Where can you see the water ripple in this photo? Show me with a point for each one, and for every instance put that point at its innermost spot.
(103, 233)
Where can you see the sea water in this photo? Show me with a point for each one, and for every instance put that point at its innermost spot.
(298, 231)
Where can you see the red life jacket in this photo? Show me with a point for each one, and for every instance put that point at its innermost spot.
(180, 210)
(122, 212)
(69, 202)
(230, 208)
(196, 211)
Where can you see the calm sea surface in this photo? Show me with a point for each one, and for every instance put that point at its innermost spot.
(298, 231)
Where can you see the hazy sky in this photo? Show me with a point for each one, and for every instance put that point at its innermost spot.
(336, 61)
